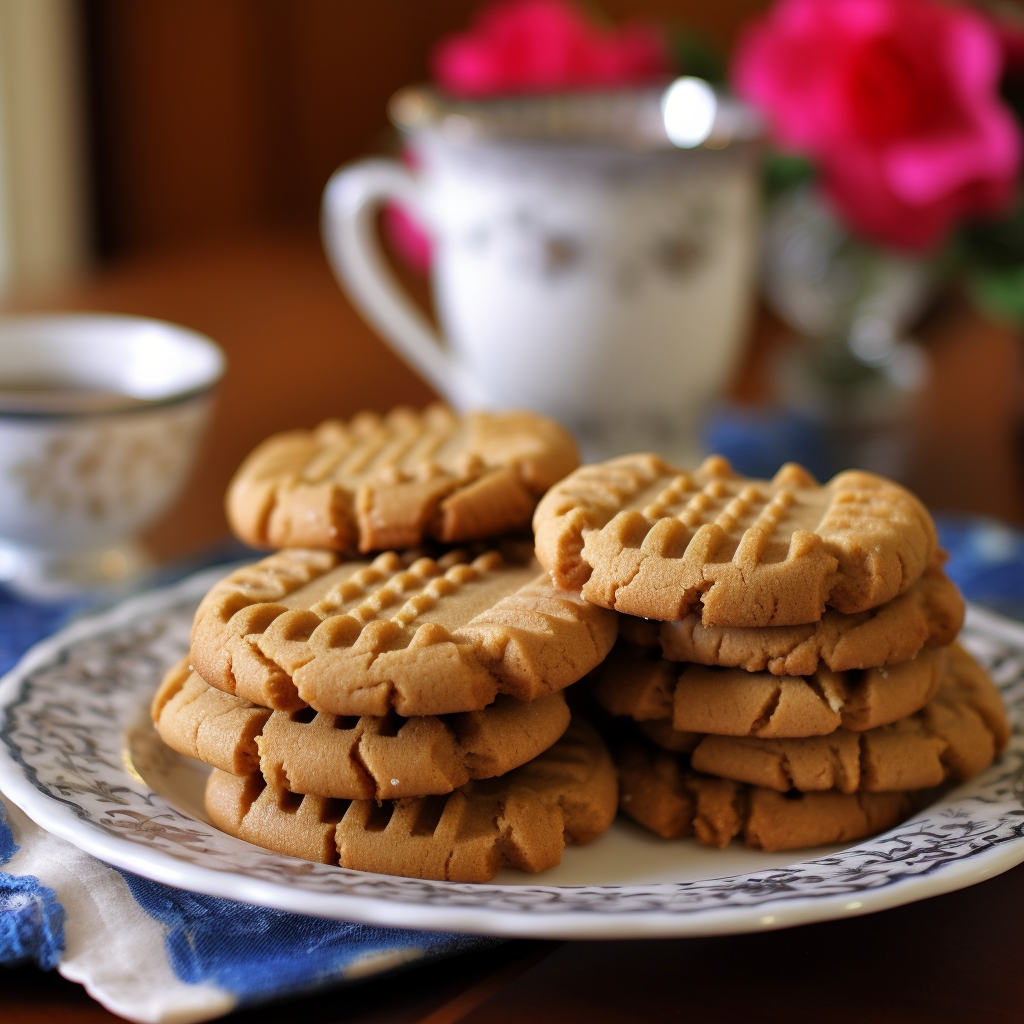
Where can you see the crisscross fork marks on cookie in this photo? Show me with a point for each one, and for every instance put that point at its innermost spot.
(390, 443)
(277, 576)
(246, 602)
(506, 631)
(393, 481)
(431, 637)
(644, 538)
(697, 510)
(359, 612)
(432, 578)
(672, 557)
(739, 515)
(400, 446)
(268, 642)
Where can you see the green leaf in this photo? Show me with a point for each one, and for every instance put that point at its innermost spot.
(999, 292)
(784, 171)
(996, 243)
(696, 54)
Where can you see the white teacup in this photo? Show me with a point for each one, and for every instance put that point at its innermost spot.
(606, 285)
(100, 420)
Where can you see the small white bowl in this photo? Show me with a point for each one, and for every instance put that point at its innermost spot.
(100, 420)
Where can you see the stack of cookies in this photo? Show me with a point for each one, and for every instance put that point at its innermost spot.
(787, 651)
(385, 691)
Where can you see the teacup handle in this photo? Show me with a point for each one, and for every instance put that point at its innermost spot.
(348, 225)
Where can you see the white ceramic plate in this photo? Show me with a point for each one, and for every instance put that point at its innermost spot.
(80, 757)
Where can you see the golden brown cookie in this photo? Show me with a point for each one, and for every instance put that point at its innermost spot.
(523, 819)
(929, 614)
(955, 736)
(658, 791)
(379, 482)
(361, 758)
(647, 539)
(196, 719)
(432, 637)
(731, 702)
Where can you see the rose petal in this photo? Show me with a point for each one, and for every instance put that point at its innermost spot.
(542, 46)
(897, 102)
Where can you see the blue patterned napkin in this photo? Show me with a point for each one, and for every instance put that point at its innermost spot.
(152, 953)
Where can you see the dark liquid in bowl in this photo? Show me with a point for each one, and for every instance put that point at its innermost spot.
(55, 395)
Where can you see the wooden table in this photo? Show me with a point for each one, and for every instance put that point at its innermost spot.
(298, 353)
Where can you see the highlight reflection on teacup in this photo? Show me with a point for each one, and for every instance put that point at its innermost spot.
(100, 421)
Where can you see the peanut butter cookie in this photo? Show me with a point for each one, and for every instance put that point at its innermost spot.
(357, 758)
(642, 537)
(380, 482)
(419, 637)
(522, 820)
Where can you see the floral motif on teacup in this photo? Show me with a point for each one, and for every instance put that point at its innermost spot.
(104, 471)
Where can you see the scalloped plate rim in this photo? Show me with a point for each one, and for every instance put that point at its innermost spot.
(60, 818)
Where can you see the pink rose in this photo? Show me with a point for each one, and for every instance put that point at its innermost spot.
(896, 101)
(520, 46)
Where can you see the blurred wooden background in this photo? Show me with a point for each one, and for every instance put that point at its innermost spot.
(214, 116)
